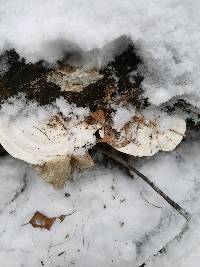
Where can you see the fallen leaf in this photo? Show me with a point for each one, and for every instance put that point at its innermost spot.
(42, 221)
(98, 116)
(82, 162)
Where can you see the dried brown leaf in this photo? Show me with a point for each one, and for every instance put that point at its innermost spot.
(98, 116)
(82, 162)
(39, 220)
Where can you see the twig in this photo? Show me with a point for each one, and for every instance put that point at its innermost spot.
(69, 214)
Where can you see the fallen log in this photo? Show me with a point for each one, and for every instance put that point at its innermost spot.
(51, 115)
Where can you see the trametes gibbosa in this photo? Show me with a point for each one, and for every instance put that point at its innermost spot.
(143, 133)
(56, 138)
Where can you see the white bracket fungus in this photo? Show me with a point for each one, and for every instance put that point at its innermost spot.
(145, 133)
(50, 137)
(42, 141)
(46, 138)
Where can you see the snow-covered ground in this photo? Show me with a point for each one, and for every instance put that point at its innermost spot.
(112, 220)
(166, 35)
(117, 221)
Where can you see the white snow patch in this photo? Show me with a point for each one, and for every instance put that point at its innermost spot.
(121, 117)
(118, 221)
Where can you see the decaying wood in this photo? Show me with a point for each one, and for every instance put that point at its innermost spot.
(41, 83)
(102, 91)
(93, 88)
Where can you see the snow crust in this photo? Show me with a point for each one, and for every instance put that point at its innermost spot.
(166, 35)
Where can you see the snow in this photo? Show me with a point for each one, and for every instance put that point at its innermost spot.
(165, 33)
(121, 117)
(118, 221)
(93, 229)
(113, 220)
